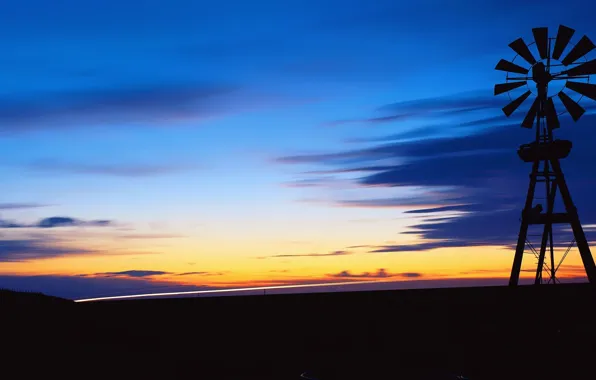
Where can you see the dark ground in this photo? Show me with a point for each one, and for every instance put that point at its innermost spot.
(481, 333)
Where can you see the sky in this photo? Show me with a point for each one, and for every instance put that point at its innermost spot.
(179, 145)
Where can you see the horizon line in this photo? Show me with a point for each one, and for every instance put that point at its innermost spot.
(227, 290)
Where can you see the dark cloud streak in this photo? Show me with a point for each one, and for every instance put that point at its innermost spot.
(336, 253)
(119, 105)
(489, 180)
(132, 273)
(20, 206)
(380, 273)
(31, 249)
(57, 222)
(117, 170)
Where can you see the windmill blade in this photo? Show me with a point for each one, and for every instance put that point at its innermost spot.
(583, 47)
(531, 116)
(575, 110)
(552, 119)
(563, 37)
(586, 68)
(505, 87)
(541, 38)
(520, 47)
(511, 107)
(505, 65)
(586, 89)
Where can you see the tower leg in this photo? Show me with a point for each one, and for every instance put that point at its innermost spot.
(551, 193)
(553, 269)
(523, 230)
(578, 231)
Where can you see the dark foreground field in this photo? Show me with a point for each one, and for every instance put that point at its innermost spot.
(482, 333)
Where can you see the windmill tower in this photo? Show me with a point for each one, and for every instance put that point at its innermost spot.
(553, 82)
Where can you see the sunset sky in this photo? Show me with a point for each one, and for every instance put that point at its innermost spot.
(159, 145)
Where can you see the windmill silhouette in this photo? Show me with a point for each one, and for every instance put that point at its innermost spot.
(553, 81)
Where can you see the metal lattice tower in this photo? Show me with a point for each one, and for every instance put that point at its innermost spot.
(554, 81)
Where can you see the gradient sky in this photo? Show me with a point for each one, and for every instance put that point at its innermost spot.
(150, 145)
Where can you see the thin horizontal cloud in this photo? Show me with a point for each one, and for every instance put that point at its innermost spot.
(423, 246)
(305, 183)
(338, 158)
(464, 207)
(370, 120)
(425, 198)
(288, 281)
(486, 271)
(458, 104)
(138, 273)
(335, 253)
(413, 134)
(149, 236)
(438, 108)
(200, 274)
(21, 206)
(132, 273)
(47, 247)
(380, 273)
(326, 182)
(31, 249)
(117, 170)
(146, 104)
(351, 170)
(384, 203)
(56, 222)
(463, 102)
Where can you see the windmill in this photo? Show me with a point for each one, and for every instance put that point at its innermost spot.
(558, 73)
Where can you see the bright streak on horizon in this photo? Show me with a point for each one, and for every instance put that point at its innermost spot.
(223, 290)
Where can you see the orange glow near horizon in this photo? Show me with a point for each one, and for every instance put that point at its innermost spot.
(233, 270)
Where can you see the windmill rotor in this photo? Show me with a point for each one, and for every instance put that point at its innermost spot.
(556, 72)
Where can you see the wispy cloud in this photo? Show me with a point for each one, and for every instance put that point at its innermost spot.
(46, 247)
(323, 182)
(137, 273)
(132, 273)
(370, 120)
(146, 104)
(21, 206)
(380, 273)
(200, 274)
(118, 170)
(459, 103)
(335, 253)
(386, 203)
(56, 222)
(31, 249)
(486, 180)
(149, 236)
(425, 246)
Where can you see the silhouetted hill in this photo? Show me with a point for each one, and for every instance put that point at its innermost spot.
(484, 333)
(14, 297)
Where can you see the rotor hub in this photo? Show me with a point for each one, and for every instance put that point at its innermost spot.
(551, 78)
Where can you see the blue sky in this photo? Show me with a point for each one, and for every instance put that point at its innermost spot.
(216, 121)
